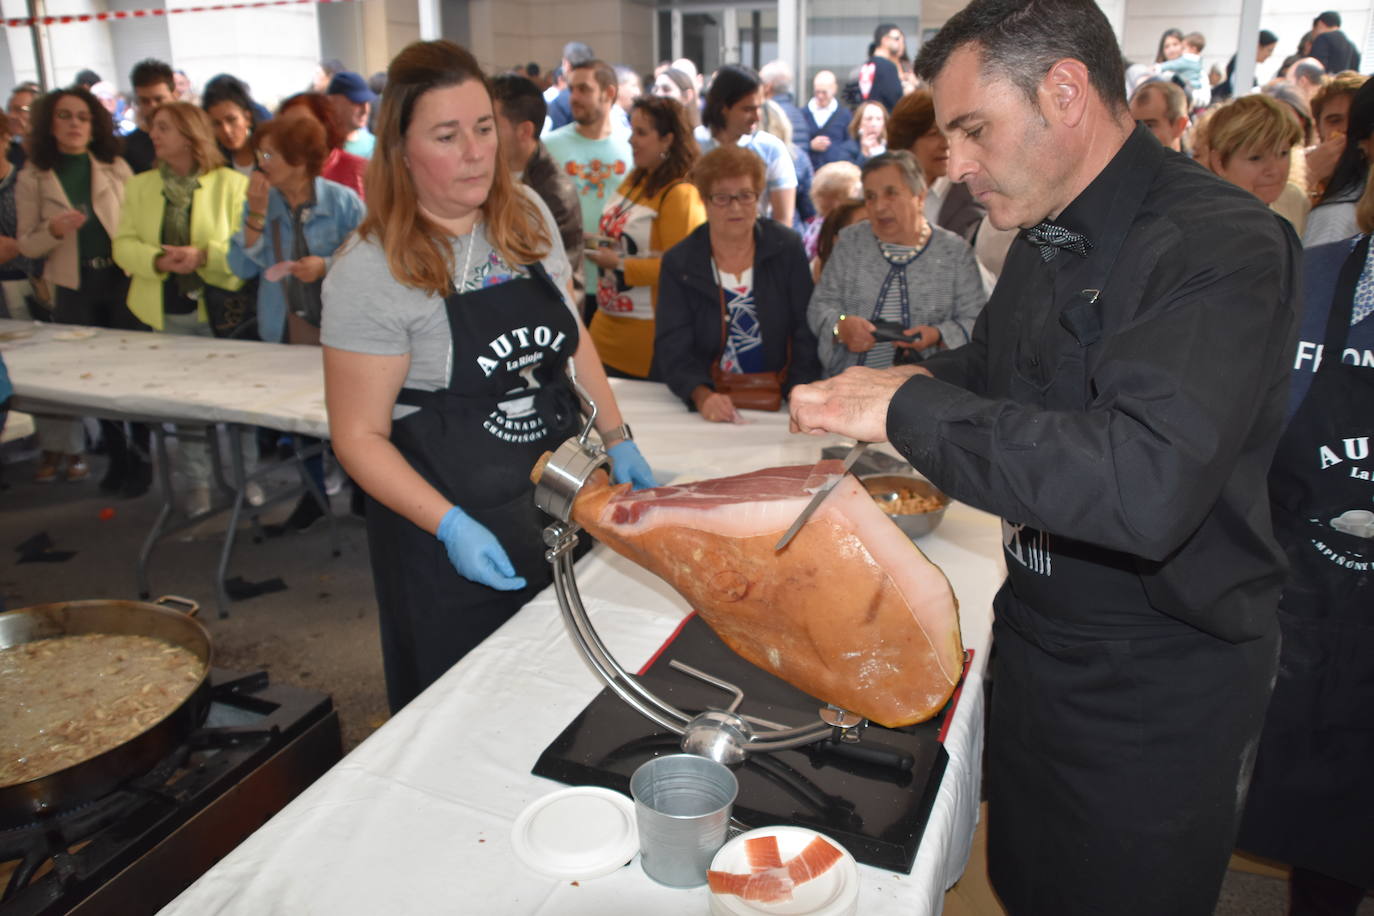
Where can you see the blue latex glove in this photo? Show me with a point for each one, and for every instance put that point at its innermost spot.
(475, 552)
(628, 464)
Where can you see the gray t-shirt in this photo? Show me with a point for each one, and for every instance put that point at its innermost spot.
(366, 310)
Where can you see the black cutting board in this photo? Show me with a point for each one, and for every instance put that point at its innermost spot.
(879, 813)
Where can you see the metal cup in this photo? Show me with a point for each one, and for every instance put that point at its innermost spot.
(682, 807)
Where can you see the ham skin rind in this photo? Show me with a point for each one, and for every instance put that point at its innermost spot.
(851, 611)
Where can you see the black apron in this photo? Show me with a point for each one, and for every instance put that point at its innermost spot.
(1120, 740)
(508, 401)
(1312, 799)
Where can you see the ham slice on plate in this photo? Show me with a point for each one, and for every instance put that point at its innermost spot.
(850, 611)
(773, 883)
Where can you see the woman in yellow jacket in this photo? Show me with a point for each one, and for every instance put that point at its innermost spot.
(173, 242)
(68, 198)
(654, 210)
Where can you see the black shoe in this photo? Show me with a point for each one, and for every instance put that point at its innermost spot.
(115, 446)
(113, 481)
(138, 477)
(306, 513)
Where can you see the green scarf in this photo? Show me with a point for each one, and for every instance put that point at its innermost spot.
(176, 221)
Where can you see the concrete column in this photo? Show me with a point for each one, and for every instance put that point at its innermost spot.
(1246, 41)
(789, 36)
(729, 41)
(429, 20)
(676, 16)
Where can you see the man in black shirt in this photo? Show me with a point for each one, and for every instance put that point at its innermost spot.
(1331, 47)
(1118, 407)
(154, 85)
(879, 78)
(1268, 41)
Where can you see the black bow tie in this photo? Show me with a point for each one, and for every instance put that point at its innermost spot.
(1051, 238)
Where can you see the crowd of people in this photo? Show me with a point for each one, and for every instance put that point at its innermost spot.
(471, 251)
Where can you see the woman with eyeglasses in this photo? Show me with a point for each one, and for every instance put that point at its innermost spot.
(294, 221)
(732, 296)
(341, 166)
(69, 197)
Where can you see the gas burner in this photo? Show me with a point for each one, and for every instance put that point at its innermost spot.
(138, 847)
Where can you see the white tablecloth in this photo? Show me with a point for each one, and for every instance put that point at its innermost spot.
(417, 819)
(140, 375)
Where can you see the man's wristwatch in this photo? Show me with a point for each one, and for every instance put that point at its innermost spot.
(835, 331)
(612, 436)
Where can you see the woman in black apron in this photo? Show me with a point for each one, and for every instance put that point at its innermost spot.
(1311, 800)
(444, 446)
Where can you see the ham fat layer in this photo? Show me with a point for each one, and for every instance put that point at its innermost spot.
(850, 611)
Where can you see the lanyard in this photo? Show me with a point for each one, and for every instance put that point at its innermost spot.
(895, 273)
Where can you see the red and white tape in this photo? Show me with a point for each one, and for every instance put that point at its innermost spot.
(144, 14)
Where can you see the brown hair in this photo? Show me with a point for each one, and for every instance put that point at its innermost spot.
(912, 118)
(319, 107)
(859, 116)
(194, 124)
(1364, 207)
(41, 145)
(838, 219)
(1253, 122)
(666, 116)
(300, 141)
(602, 72)
(727, 162)
(417, 251)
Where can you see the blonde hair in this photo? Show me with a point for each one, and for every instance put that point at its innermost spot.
(1345, 83)
(1251, 122)
(418, 251)
(837, 182)
(776, 123)
(195, 125)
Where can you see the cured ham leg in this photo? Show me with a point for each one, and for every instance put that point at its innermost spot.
(850, 611)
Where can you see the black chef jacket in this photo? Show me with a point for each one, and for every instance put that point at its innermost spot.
(1126, 440)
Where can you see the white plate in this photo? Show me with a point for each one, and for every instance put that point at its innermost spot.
(835, 893)
(577, 833)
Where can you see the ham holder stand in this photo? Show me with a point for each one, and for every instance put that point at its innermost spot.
(873, 794)
(721, 734)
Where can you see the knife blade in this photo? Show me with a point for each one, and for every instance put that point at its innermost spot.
(821, 494)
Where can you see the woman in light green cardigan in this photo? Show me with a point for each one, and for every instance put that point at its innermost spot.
(174, 231)
(173, 242)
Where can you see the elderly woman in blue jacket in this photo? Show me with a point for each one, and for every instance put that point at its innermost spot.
(293, 222)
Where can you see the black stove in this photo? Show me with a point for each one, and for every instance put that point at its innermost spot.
(874, 796)
(135, 849)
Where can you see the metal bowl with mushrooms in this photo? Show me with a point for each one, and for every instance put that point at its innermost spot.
(912, 502)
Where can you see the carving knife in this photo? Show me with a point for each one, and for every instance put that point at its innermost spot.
(821, 494)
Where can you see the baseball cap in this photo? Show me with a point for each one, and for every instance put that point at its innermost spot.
(352, 86)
